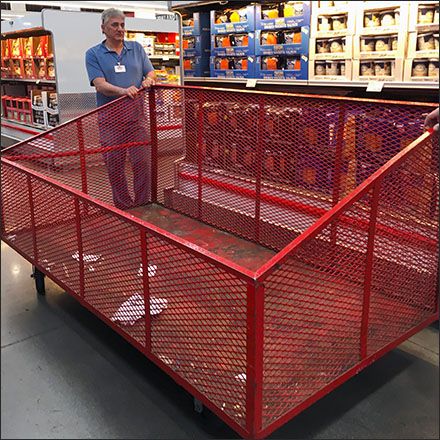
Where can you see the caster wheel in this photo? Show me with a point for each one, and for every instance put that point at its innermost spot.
(198, 406)
(39, 281)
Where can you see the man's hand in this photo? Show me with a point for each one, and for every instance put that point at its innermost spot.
(131, 91)
(431, 121)
(148, 82)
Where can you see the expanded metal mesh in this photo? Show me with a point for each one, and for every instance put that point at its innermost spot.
(215, 185)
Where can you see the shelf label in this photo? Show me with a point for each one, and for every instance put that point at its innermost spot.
(375, 86)
(251, 82)
(165, 58)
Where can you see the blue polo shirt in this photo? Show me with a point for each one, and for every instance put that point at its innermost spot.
(101, 62)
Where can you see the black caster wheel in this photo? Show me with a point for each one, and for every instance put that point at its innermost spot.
(198, 406)
(39, 276)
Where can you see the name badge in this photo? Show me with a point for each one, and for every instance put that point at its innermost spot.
(120, 68)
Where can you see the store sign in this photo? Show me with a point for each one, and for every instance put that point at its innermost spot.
(166, 16)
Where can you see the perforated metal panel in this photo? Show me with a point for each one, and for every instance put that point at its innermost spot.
(288, 240)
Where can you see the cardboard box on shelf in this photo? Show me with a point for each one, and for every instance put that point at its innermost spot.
(241, 20)
(285, 15)
(6, 48)
(40, 68)
(379, 46)
(27, 47)
(196, 66)
(422, 44)
(330, 48)
(282, 67)
(387, 70)
(330, 70)
(422, 70)
(28, 69)
(423, 16)
(233, 44)
(198, 45)
(337, 7)
(385, 18)
(283, 42)
(16, 66)
(195, 23)
(41, 46)
(232, 67)
(329, 25)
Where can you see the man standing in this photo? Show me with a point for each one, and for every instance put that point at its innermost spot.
(119, 68)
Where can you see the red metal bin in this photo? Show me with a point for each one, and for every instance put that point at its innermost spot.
(293, 239)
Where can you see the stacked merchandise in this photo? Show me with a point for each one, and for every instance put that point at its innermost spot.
(423, 42)
(195, 43)
(380, 42)
(232, 43)
(331, 45)
(45, 112)
(28, 58)
(16, 108)
(282, 40)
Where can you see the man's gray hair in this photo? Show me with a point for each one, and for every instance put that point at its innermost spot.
(110, 13)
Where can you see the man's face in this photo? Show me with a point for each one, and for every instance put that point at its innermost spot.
(114, 28)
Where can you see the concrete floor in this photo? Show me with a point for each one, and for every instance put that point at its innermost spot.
(65, 374)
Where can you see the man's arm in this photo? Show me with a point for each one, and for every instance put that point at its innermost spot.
(432, 120)
(150, 79)
(107, 89)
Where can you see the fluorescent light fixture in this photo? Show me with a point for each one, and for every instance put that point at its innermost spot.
(11, 15)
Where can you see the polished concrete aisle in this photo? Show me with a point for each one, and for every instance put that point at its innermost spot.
(65, 374)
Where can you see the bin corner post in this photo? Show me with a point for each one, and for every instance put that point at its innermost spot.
(146, 288)
(374, 203)
(254, 358)
(154, 142)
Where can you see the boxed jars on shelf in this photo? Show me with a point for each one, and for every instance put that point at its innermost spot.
(422, 70)
(330, 70)
(282, 67)
(378, 69)
(282, 15)
(423, 15)
(196, 66)
(388, 17)
(386, 45)
(233, 44)
(240, 19)
(329, 25)
(232, 67)
(423, 44)
(332, 7)
(331, 48)
(283, 42)
(197, 45)
(195, 23)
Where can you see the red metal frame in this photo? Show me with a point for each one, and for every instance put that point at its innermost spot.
(251, 297)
